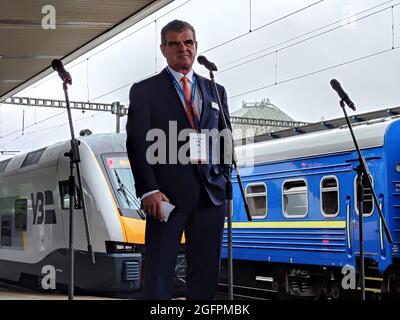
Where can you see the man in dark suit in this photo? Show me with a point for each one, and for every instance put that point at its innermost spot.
(178, 98)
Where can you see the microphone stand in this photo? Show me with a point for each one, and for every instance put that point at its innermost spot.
(229, 189)
(74, 163)
(363, 180)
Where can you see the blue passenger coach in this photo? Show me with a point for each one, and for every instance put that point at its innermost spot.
(302, 195)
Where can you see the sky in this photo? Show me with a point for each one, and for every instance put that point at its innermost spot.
(287, 51)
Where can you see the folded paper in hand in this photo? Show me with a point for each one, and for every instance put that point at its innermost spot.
(167, 208)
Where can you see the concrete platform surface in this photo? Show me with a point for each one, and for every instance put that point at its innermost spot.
(13, 294)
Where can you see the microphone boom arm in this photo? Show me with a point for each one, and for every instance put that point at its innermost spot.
(74, 159)
(229, 189)
(363, 174)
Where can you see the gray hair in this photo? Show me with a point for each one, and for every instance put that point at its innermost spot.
(176, 26)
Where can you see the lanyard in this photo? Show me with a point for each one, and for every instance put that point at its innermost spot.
(195, 122)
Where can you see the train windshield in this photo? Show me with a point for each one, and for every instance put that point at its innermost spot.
(120, 174)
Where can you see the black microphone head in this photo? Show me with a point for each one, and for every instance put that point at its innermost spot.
(342, 94)
(208, 64)
(335, 85)
(202, 60)
(64, 75)
(57, 64)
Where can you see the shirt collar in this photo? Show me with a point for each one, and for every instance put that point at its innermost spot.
(178, 76)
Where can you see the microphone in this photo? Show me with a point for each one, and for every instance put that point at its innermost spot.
(64, 75)
(342, 94)
(208, 64)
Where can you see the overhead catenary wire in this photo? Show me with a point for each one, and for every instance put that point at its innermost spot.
(212, 48)
(87, 80)
(141, 28)
(231, 97)
(252, 31)
(207, 50)
(393, 29)
(302, 41)
(344, 22)
(263, 26)
(250, 15)
(119, 40)
(36, 123)
(52, 127)
(315, 72)
(347, 20)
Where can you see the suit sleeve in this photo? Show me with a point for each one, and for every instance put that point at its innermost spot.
(224, 101)
(225, 153)
(137, 126)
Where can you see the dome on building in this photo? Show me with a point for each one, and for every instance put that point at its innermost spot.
(261, 110)
(256, 118)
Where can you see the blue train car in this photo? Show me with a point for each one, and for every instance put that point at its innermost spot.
(302, 195)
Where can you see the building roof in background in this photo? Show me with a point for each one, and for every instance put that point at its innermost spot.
(27, 49)
(261, 110)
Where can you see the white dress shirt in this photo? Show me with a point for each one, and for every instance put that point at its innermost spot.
(198, 101)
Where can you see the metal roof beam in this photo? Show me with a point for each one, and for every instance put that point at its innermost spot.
(323, 125)
(114, 108)
(267, 122)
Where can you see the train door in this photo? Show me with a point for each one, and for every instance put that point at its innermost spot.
(373, 235)
(6, 231)
(63, 172)
(372, 225)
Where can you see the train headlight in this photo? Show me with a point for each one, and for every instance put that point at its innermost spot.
(119, 247)
(398, 167)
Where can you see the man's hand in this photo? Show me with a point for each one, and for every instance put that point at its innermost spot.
(152, 205)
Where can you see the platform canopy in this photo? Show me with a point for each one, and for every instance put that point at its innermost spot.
(27, 49)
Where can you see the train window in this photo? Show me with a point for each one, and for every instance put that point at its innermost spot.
(64, 195)
(368, 202)
(21, 209)
(256, 197)
(295, 199)
(3, 165)
(122, 182)
(6, 231)
(329, 196)
(32, 158)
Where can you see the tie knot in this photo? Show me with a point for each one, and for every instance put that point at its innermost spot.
(186, 89)
(184, 79)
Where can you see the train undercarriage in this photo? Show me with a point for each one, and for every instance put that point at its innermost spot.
(261, 280)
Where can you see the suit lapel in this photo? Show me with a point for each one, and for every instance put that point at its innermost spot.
(206, 100)
(175, 102)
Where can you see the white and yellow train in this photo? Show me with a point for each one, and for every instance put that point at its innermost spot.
(34, 217)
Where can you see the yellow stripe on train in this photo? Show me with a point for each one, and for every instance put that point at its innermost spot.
(290, 225)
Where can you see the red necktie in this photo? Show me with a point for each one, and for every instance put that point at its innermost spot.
(190, 111)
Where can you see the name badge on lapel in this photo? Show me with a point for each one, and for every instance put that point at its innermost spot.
(198, 147)
(215, 106)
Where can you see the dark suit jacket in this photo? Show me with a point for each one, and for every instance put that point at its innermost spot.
(153, 103)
